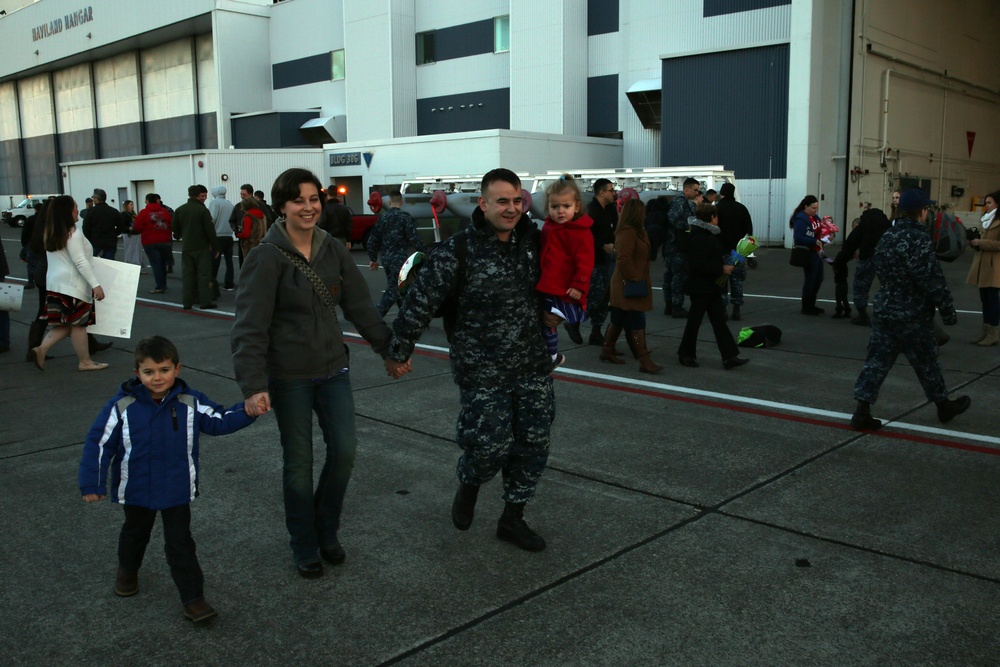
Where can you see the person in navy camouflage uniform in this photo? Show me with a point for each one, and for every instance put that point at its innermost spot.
(394, 234)
(912, 286)
(675, 270)
(498, 356)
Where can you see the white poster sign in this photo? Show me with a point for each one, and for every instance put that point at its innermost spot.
(10, 296)
(120, 282)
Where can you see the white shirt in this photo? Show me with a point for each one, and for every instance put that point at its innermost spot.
(70, 271)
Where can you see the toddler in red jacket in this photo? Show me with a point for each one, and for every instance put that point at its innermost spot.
(567, 260)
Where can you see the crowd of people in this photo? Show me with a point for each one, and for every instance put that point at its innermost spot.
(508, 284)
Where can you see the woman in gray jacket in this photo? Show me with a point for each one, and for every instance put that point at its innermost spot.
(289, 355)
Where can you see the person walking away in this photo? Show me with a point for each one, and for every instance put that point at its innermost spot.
(154, 466)
(705, 264)
(861, 242)
(603, 211)
(805, 225)
(985, 271)
(393, 235)
(336, 221)
(192, 225)
(912, 287)
(498, 357)
(153, 224)
(221, 210)
(628, 313)
(289, 355)
(734, 223)
(253, 226)
(102, 226)
(567, 262)
(675, 272)
(70, 283)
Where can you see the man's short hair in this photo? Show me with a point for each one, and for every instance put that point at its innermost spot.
(194, 191)
(100, 195)
(247, 188)
(688, 182)
(259, 194)
(88, 200)
(396, 198)
(156, 348)
(601, 184)
(152, 198)
(499, 174)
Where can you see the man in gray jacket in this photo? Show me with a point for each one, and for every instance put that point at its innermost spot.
(221, 208)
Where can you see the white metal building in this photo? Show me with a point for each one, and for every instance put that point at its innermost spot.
(844, 99)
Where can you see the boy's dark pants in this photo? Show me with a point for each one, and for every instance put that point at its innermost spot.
(178, 545)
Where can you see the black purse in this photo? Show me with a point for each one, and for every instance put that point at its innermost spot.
(800, 256)
(635, 289)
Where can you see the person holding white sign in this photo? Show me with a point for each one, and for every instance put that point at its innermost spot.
(71, 283)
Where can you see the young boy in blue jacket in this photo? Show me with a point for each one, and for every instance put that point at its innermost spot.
(148, 435)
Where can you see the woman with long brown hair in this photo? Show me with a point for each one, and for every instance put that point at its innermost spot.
(71, 283)
(628, 313)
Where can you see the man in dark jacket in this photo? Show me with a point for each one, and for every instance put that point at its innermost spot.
(498, 357)
(603, 211)
(192, 224)
(102, 226)
(336, 221)
(862, 240)
(912, 287)
(734, 224)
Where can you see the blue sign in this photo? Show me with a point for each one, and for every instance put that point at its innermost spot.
(345, 159)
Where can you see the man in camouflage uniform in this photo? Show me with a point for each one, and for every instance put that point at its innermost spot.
(675, 269)
(394, 234)
(912, 286)
(498, 356)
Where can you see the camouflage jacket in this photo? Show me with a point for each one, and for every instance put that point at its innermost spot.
(497, 337)
(681, 208)
(913, 283)
(394, 234)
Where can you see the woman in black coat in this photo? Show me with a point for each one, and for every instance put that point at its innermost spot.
(705, 265)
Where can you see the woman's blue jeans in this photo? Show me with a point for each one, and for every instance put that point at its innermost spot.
(312, 515)
(159, 256)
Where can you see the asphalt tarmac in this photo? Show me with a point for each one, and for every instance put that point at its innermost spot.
(696, 517)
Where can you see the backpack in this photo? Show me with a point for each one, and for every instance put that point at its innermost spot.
(448, 310)
(948, 236)
(764, 335)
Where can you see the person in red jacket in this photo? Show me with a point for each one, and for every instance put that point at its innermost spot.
(153, 225)
(567, 260)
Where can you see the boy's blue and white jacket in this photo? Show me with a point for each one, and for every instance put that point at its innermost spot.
(152, 449)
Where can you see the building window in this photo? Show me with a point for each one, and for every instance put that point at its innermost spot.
(425, 47)
(337, 65)
(501, 34)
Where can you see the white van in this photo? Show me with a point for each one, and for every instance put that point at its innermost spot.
(16, 216)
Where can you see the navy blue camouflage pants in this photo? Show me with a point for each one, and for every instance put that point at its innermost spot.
(888, 339)
(390, 296)
(864, 275)
(506, 429)
(675, 271)
(597, 295)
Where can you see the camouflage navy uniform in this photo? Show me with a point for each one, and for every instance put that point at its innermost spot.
(498, 357)
(675, 269)
(394, 234)
(912, 286)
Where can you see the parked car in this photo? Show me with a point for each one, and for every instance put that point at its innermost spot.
(16, 216)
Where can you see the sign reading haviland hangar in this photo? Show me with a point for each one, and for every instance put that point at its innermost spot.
(71, 20)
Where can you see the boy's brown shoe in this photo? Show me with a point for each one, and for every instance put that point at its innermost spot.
(126, 583)
(199, 611)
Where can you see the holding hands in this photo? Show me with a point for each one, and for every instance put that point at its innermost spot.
(398, 369)
(258, 404)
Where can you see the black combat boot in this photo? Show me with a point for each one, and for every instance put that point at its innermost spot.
(862, 419)
(464, 506)
(948, 410)
(512, 528)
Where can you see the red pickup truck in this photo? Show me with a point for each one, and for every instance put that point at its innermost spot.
(361, 229)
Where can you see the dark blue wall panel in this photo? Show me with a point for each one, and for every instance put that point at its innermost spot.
(121, 140)
(466, 112)
(272, 130)
(77, 146)
(302, 71)
(740, 121)
(720, 7)
(11, 178)
(209, 133)
(602, 104)
(602, 17)
(171, 134)
(460, 41)
(41, 164)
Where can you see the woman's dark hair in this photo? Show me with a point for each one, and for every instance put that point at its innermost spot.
(58, 222)
(286, 187)
(633, 215)
(808, 200)
(705, 212)
(126, 203)
(995, 196)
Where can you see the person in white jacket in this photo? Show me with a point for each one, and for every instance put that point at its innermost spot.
(70, 282)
